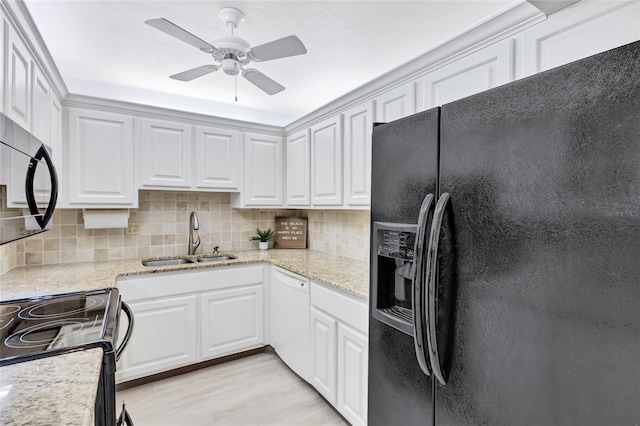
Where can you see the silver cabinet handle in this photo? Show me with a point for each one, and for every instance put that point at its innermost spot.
(419, 306)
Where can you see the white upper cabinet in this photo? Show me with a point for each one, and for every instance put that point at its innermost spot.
(18, 83)
(326, 162)
(298, 169)
(100, 169)
(40, 104)
(2, 70)
(166, 154)
(172, 157)
(480, 71)
(55, 129)
(358, 126)
(396, 103)
(217, 158)
(582, 29)
(263, 177)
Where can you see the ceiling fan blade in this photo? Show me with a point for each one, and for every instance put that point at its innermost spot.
(173, 30)
(288, 46)
(194, 73)
(262, 82)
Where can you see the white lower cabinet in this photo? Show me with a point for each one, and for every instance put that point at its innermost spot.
(231, 321)
(186, 317)
(339, 350)
(164, 336)
(352, 374)
(324, 332)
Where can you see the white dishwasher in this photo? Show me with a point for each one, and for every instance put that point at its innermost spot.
(291, 305)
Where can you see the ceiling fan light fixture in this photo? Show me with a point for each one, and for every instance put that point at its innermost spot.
(230, 66)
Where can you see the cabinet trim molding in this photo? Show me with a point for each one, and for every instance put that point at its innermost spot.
(507, 23)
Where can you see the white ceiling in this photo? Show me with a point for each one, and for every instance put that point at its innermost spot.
(103, 48)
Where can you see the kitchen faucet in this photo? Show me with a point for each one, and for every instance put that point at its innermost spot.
(193, 227)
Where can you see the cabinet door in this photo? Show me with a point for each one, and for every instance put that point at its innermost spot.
(164, 336)
(55, 130)
(40, 104)
(582, 29)
(166, 154)
(100, 170)
(480, 71)
(262, 170)
(231, 321)
(326, 162)
(358, 125)
(323, 354)
(18, 86)
(352, 375)
(217, 158)
(2, 71)
(298, 169)
(396, 103)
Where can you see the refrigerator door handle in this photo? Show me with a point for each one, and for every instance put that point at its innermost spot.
(432, 268)
(418, 278)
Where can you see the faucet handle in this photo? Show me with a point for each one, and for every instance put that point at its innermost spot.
(215, 250)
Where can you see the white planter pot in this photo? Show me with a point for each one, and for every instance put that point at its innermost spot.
(263, 245)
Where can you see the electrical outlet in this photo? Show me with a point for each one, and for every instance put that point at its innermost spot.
(133, 228)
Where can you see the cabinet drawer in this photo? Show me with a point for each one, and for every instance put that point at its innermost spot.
(346, 308)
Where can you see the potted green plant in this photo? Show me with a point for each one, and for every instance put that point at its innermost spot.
(264, 236)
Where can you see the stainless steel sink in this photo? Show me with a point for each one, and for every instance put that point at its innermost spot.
(166, 262)
(215, 258)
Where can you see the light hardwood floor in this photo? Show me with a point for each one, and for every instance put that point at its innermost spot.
(256, 390)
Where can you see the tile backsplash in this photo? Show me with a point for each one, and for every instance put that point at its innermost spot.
(163, 217)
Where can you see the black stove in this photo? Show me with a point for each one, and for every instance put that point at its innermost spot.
(49, 325)
(45, 326)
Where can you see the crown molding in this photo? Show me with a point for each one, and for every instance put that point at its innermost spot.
(147, 111)
(495, 28)
(549, 7)
(19, 16)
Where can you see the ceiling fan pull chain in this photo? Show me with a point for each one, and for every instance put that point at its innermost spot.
(236, 88)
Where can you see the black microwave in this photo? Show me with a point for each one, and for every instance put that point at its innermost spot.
(30, 183)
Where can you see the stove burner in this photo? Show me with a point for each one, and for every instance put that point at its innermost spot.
(58, 308)
(7, 314)
(9, 310)
(46, 335)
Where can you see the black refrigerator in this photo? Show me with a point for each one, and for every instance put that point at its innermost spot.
(505, 254)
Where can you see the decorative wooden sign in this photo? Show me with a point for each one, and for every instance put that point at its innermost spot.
(291, 232)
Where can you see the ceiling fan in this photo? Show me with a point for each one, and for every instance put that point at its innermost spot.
(232, 53)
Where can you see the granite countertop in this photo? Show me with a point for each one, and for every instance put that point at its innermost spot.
(47, 391)
(40, 392)
(348, 275)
